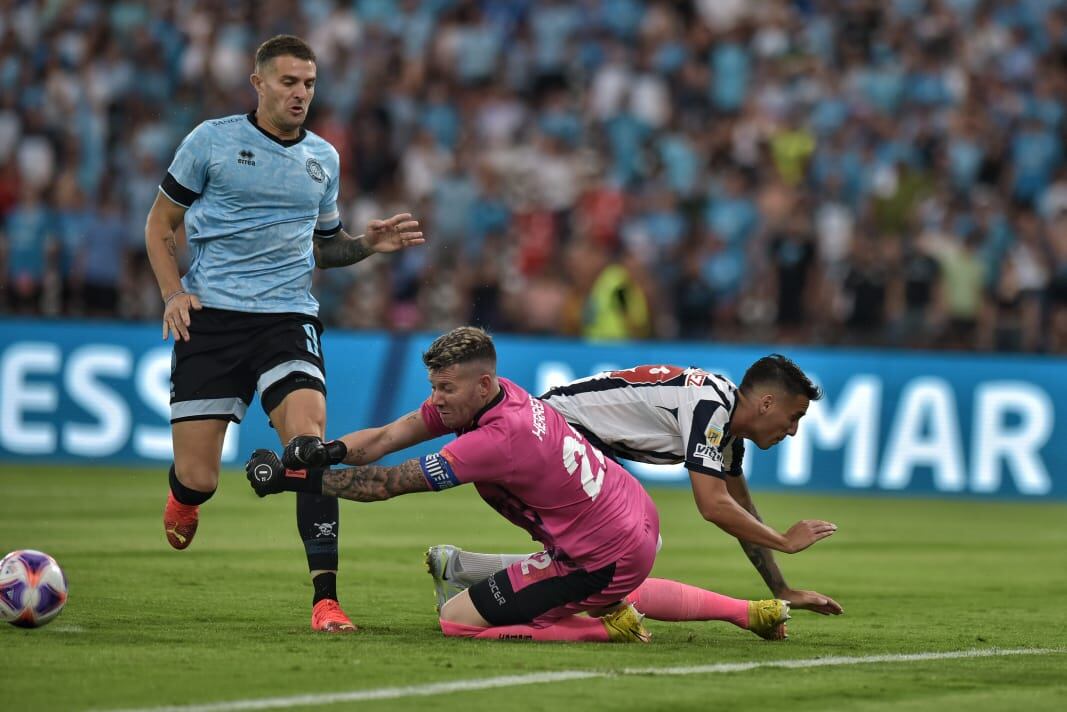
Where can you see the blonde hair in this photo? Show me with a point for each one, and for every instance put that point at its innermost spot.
(464, 344)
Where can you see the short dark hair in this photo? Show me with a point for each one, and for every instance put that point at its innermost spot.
(464, 344)
(283, 46)
(779, 371)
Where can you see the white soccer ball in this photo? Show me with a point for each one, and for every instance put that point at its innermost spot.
(33, 589)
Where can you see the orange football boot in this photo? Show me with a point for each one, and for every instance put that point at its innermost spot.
(328, 617)
(179, 522)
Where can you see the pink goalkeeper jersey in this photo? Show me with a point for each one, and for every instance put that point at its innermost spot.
(530, 465)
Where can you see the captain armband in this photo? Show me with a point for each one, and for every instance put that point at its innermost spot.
(438, 472)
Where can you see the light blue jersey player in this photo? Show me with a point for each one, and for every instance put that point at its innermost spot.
(257, 194)
(253, 203)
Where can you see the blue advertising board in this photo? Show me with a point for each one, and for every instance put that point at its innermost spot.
(890, 421)
(101, 392)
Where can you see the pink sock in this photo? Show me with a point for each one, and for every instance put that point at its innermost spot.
(575, 628)
(664, 600)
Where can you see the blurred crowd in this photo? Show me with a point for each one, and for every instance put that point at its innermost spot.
(863, 172)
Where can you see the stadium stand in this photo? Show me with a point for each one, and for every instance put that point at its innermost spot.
(858, 172)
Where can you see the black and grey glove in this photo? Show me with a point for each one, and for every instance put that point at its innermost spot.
(267, 475)
(309, 451)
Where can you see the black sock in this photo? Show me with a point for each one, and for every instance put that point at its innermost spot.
(318, 523)
(185, 495)
(325, 587)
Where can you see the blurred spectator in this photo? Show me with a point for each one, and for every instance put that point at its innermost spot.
(865, 290)
(694, 298)
(963, 280)
(28, 232)
(102, 262)
(1057, 294)
(913, 293)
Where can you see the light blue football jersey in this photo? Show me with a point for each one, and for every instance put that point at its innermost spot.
(253, 203)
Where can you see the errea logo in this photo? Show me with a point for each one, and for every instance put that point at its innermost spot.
(246, 158)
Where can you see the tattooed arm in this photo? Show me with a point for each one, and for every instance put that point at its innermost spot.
(370, 483)
(164, 219)
(340, 250)
(762, 559)
(397, 233)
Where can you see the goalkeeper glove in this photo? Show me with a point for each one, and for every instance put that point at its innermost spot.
(267, 475)
(308, 451)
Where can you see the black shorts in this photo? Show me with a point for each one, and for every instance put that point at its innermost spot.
(231, 355)
(550, 596)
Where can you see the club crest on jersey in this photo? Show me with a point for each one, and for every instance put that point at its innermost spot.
(315, 170)
(713, 435)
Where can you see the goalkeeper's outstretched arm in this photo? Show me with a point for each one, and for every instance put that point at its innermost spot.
(371, 483)
(362, 483)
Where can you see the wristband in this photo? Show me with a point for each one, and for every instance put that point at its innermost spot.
(172, 295)
(309, 481)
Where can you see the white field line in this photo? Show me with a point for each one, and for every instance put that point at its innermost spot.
(439, 688)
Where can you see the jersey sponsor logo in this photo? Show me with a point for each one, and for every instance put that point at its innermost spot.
(231, 120)
(246, 157)
(314, 169)
(647, 374)
(713, 435)
(711, 456)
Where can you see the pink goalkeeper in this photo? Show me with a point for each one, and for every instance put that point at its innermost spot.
(599, 529)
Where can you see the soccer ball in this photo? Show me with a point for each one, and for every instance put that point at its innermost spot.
(33, 589)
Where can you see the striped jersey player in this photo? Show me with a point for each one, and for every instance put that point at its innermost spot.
(662, 415)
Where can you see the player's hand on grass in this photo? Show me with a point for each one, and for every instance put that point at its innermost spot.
(805, 533)
(176, 313)
(811, 601)
(265, 472)
(397, 233)
(305, 451)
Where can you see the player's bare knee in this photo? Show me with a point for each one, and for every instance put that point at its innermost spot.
(300, 413)
(203, 477)
(460, 609)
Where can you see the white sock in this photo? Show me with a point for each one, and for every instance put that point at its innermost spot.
(468, 568)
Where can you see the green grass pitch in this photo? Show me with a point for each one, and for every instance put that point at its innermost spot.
(228, 619)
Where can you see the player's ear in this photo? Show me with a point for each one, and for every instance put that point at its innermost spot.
(257, 82)
(766, 403)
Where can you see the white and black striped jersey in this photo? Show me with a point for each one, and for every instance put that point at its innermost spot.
(656, 414)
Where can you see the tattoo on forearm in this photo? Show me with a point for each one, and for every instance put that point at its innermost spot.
(370, 483)
(172, 248)
(340, 250)
(763, 559)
